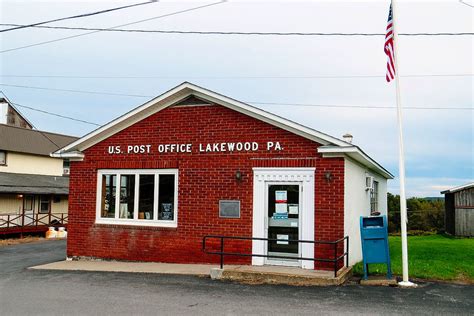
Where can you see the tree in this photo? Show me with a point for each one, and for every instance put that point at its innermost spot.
(424, 214)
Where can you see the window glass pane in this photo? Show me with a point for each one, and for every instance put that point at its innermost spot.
(44, 204)
(374, 198)
(283, 214)
(146, 196)
(127, 195)
(66, 163)
(166, 197)
(109, 183)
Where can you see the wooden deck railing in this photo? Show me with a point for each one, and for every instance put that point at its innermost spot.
(31, 222)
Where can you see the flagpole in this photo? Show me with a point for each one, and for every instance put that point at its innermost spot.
(401, 155)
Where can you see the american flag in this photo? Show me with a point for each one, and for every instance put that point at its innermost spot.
(389, 48)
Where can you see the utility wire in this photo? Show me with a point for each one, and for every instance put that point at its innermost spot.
(30, 123)
(241, 33)
(469, 5)
(46, 136)
(231, 77)
(362, 106)
(22, 26)
(56, 114)
(113, 27)
(78, 91)
(250, 102)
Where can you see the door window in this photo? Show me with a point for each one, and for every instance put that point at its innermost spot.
(283, 219)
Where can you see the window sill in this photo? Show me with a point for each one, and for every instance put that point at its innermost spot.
(134, 223)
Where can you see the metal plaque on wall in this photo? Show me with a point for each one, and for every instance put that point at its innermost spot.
(229, 208)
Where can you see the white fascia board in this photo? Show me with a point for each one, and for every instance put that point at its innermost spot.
(182, 91)
(357, 154)
(458, 188)
(73, 155)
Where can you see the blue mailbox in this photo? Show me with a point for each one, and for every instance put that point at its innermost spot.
(374, 236)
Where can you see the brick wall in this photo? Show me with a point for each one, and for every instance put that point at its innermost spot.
(204, 179)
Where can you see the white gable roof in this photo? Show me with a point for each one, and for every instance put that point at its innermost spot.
(180, 93)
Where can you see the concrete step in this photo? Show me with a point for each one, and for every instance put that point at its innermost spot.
(281, 275)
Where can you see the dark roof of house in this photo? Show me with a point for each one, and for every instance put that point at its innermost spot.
(30, 141)
(33, 184)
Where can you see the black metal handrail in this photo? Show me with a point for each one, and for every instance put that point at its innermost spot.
(335, 260)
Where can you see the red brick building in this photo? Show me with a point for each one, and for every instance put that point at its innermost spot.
(151, 184)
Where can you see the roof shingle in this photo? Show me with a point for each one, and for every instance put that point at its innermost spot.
(33, 184)
(30, 141)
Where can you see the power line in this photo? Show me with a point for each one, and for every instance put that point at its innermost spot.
(250, 102)
(469, 5)
(113, 27)
(78, 91)
(240, 33)
(22, 26)
(56, 114)
(45, 136)
(30, 123)
(362, 106)
(231, 77)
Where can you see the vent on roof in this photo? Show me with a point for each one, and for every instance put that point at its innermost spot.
(192, 100)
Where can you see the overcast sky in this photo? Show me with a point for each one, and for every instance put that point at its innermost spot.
(439, 144)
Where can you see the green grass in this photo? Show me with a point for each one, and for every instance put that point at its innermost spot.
(435, 257)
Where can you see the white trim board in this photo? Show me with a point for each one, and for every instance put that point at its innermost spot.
(458, 188)
(155, 222)
(302, 176)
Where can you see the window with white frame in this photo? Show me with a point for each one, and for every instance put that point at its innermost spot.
(45, 204)
(374, 197)
(137, 197)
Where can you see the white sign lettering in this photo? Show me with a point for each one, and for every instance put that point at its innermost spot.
(138, 149)
(201, 147)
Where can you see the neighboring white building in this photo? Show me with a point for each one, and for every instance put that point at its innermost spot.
(31, 182)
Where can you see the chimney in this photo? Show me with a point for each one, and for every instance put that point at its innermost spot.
(347, 137)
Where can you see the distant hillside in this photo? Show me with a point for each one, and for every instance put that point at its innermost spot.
(433, 198)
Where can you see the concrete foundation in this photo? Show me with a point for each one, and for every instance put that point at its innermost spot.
(379, 281)
(283, 275)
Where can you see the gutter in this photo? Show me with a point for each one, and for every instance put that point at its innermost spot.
(74, 155)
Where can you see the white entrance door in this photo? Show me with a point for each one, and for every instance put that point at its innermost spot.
(28, 209)
(283, 222)
(269, 220)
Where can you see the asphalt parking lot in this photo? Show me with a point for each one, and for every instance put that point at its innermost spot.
(40, 292)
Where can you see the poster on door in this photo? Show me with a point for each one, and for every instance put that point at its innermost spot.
(281, 196)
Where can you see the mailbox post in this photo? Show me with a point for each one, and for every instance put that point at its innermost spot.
(374, 236)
